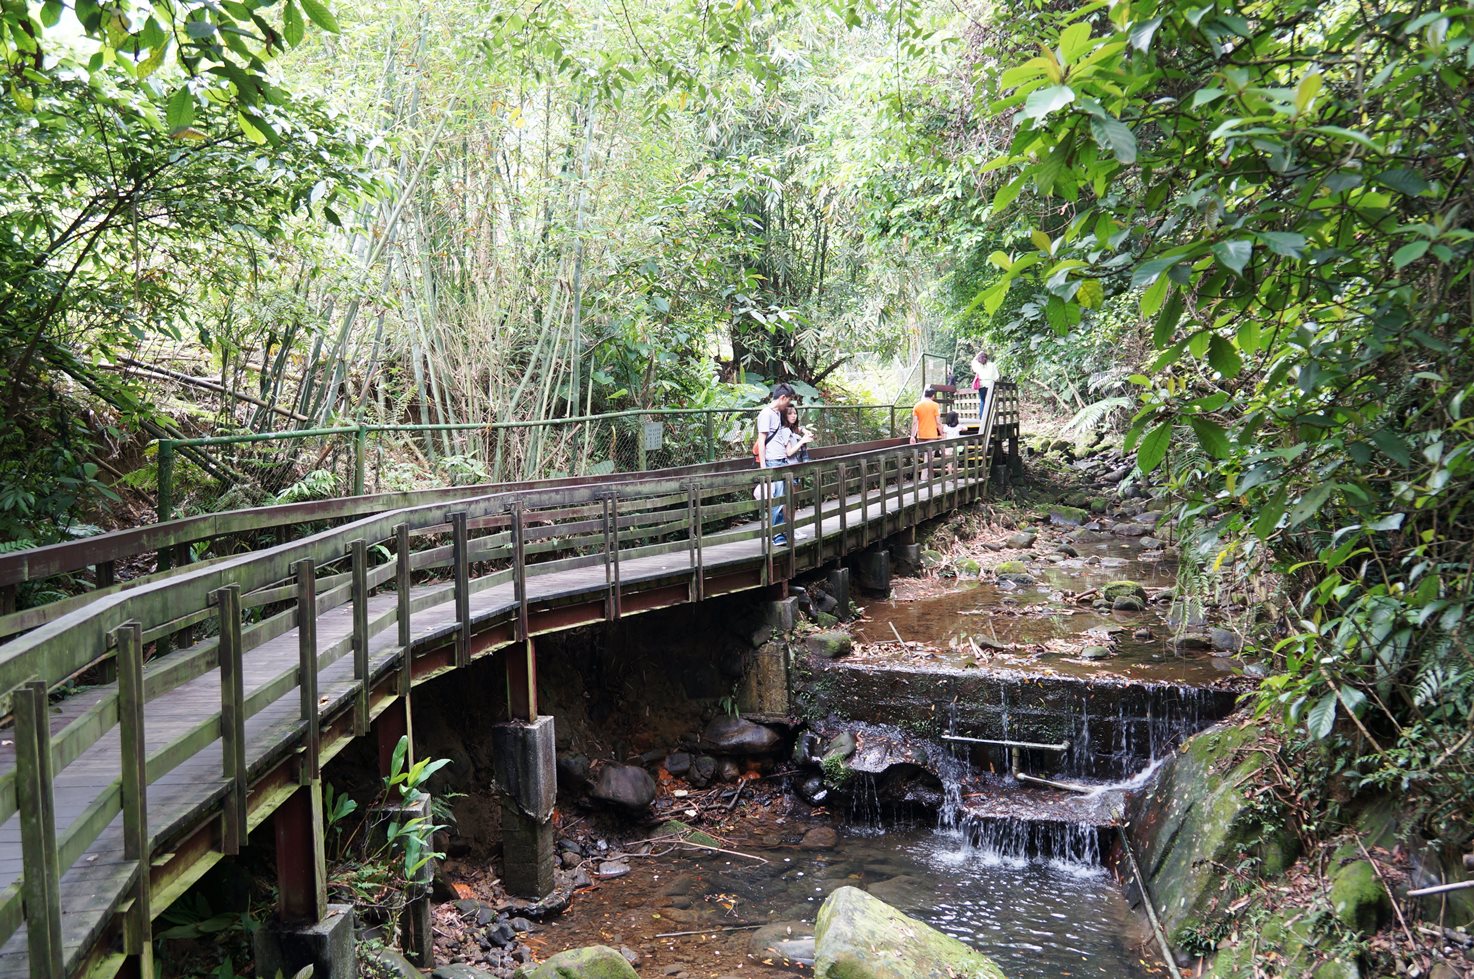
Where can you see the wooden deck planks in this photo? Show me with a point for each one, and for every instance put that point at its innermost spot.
(93, 887)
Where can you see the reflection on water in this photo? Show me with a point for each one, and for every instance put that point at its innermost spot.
(1036, 918)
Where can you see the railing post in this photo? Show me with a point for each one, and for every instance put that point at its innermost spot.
(358, 588)
(766, 510)
(232, 720)
(402, 560)
(694, 589)
(519, 570)
(614, 554)
(893, 421)
(711, 439)
(843, 471)
(40, 859)
(790, 500)
(307, 669)
(864, 502)
(696, 521)
(360, 459)
(164, 505)
(138, 927)
(460, 557)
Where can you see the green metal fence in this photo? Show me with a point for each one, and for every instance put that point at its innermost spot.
(356, 459)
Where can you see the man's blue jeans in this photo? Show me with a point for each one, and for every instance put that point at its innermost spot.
(777, 488)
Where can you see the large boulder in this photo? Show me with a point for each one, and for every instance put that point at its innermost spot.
(594, 962)
(628, 786)
(830, 644)
(738, 736)
(857, 936)
(1113, 590)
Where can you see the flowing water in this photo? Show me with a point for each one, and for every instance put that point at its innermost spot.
(1054, 914)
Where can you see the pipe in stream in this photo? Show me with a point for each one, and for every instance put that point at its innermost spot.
(1146, 899)
(1067, 786)
(1062, 746)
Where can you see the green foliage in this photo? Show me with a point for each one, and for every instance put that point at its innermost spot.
(1287, 184)
(319, 484)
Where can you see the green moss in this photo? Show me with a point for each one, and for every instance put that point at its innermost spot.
(594, 962)
(1069, 515)
(836, 772)
(967, 566)
(1011, 567)
(825, 621)
(1113, 590)
(1098, 504)
(1358, 897)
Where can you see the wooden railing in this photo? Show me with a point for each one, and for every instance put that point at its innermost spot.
(390, 569)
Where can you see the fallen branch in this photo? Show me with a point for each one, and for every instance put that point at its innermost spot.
(707, 931)
(717, 849)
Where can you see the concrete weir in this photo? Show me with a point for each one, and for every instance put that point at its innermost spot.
(1110, 728)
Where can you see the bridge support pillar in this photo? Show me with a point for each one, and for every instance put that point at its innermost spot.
(305, 930)
(524, 754)
(416, 939)
(873, 571)
(326, 945)
(906, 558)
(839, 590)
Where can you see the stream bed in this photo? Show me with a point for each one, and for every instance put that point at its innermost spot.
(1035, 918)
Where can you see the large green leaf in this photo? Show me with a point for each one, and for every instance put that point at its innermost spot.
(1153, 447)
(1212, 437)
(319, 14)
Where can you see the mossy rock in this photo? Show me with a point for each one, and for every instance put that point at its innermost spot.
(594, 962)
(931, 558)
(674, 827)
(831, 644)
(1113, 590)
(825, 620)
(1011, 567)
(1193, 818)
(1127, 603)
(1068, 516)
(967, 566)
(1358, 897)
(1098, 505)
(1289, 940)
(857, 936)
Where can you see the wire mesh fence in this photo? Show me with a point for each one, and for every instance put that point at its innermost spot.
(323, 463)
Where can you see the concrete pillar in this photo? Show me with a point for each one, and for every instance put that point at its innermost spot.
(326, 945)
(782, 615)
(764, 691)
(525, 755)
(873, 571)
(839, 590)
(906, 559)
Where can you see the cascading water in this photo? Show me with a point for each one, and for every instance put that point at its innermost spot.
(1016, 842)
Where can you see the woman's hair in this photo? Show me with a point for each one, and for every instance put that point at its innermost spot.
(951, 418)
(793, 424)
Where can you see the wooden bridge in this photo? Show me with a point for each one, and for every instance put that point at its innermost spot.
(230, 681)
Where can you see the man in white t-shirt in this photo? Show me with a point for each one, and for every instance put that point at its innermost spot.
(779, 444)
(985, 374)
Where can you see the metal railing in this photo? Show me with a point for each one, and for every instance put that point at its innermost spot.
(488, 550)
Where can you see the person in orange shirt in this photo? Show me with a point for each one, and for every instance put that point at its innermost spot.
(925, 418)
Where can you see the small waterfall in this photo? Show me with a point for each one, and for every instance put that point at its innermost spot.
(1016, 842)
(865, 816)
(952, 768)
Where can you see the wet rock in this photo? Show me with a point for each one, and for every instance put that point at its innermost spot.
(1067, 550)
(931, 559)
(1128, 603)
(1358, 897)
(1131, 530)
(678, 763)
(805, 749)
(1152, 556)
(628, 786)
(1143, 633)
(1098, 505)
(825, 621)
(859, 937)
(703, 770)
(813, 790)
(1095, 653)
(389, 963)
(1067, 516)
(520, 925)
(501, 934)
(573, 772)
(1015, 571)
(581, 879)
(1113, 590)
(1192, 642)
(1150, 543)
(630, 955)
(728, 770)
(457, 970)
(842, 745)
(570, 860)
(1023, 540)
(819, 838)
(611, 869)
(830, 645)
(737, 736)
(594, 962)
(1117, 474)
(1225, 640)
(967, 567)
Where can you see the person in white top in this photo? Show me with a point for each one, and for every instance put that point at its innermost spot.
(985, 374)
(779, 444)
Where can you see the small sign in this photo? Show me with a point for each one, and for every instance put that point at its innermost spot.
(653, 435)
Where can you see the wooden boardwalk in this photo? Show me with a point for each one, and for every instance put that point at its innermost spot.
(113, 801)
